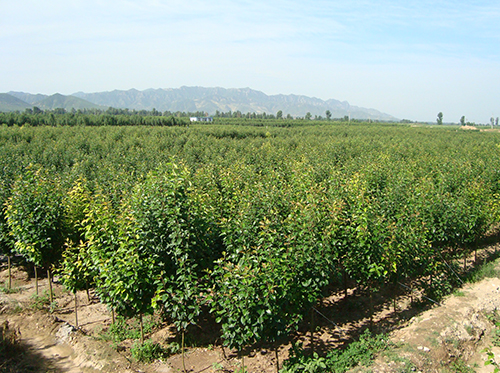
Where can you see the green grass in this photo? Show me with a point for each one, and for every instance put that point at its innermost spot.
(361, 352)
(148, 351)
(489, 270)
(123, 329)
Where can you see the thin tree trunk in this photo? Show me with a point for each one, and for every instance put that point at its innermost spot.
(277, 359)
(87, 288)
(224, 351)
(465, 261)
(394, 295)
(344, 276)
(182, 349)
(142, 328)
(112, 315)
(49, 277)
(36, 281)
(10, 274)
(371, 307)
(76, 311)
(243, 363)
(312, 330)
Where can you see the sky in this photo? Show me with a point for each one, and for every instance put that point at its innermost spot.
(411, 59)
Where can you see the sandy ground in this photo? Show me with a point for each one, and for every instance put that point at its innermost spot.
(427, 340)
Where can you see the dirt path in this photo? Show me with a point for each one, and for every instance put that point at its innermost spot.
(454, 332)
(449, 337)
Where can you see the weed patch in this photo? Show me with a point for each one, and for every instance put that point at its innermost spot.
(361, 352)
(148, 351)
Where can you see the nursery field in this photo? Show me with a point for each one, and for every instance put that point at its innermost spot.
(249, 226)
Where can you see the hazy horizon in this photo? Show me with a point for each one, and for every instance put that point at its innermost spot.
(410, 60)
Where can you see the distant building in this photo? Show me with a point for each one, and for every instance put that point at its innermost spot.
(201, 119)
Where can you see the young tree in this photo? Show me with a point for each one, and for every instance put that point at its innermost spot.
(171, 229)
(35, 215)
(77, 203)
(102, 239)
(6, 242)
(462, 120)
(73, 270)
(76, 270)
(328, 114)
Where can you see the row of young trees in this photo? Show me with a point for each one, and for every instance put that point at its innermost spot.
(256, 232)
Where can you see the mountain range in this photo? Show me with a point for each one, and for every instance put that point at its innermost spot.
(192, 99)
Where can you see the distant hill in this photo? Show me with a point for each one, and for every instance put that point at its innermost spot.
(55, 101)
(28, 97)
(192, 99)
(210, 100)
(66, 102)
(11, 103)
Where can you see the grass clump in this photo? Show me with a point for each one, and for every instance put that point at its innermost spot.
(6, 290)
(40, 302)
(123, 329)
(489, 270)
(361, 352)
(148, 351)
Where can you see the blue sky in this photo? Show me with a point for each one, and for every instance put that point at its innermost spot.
(410, 59)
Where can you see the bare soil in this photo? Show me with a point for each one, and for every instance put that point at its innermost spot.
(427, 338)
